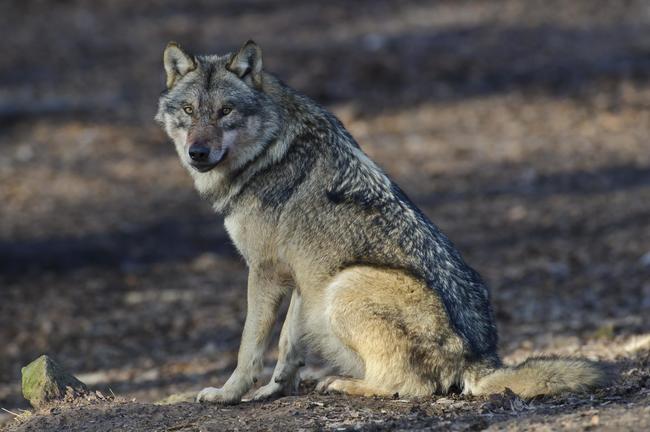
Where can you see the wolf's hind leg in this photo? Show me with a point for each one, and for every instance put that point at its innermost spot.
(285, 379)
(399, 328)
(351, 386)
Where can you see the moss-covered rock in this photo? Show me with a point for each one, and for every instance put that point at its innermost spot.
(45, 381)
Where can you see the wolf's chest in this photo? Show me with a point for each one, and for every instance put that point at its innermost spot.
(254, 236)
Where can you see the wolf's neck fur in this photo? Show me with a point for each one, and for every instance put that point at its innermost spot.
(227, 186)
(297, 117)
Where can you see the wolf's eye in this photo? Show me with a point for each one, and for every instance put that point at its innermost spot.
(225, 111)
(189, 109)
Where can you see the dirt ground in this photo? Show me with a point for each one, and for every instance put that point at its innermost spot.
(520, 127)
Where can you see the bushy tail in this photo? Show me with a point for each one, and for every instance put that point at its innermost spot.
(544, 376)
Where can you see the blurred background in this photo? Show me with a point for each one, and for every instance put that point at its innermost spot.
(520, 127)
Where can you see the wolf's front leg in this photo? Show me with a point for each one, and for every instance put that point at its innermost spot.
(285, 377)
(265, 294)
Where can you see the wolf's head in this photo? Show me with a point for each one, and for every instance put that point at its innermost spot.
(216, 109)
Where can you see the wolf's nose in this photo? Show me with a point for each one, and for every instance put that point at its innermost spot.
(199, 153)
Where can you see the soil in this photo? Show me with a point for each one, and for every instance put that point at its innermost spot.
(520, 127)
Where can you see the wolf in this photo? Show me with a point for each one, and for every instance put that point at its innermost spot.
(375, 287)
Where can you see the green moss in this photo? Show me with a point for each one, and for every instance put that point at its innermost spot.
(43, 380)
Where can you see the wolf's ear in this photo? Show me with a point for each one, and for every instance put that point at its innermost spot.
(177, 63)
(247, 64)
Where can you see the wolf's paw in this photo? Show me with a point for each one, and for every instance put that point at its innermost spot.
(217, 395)
(328, 384)
(270, 391)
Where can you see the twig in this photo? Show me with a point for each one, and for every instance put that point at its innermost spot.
(10, 412)
(179, 427)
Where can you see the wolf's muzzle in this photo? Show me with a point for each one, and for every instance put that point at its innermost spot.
(201, 160)
(199, 154)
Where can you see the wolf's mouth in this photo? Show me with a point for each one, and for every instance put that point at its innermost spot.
(207, 166)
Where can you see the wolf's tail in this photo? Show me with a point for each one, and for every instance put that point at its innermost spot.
(544, 376)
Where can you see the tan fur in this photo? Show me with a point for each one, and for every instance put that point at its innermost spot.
(543, 376)
(351, 386)
(390, 320)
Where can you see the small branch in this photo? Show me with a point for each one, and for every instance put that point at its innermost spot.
(10, 412)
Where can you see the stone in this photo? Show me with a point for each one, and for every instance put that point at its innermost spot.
(44, 381)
